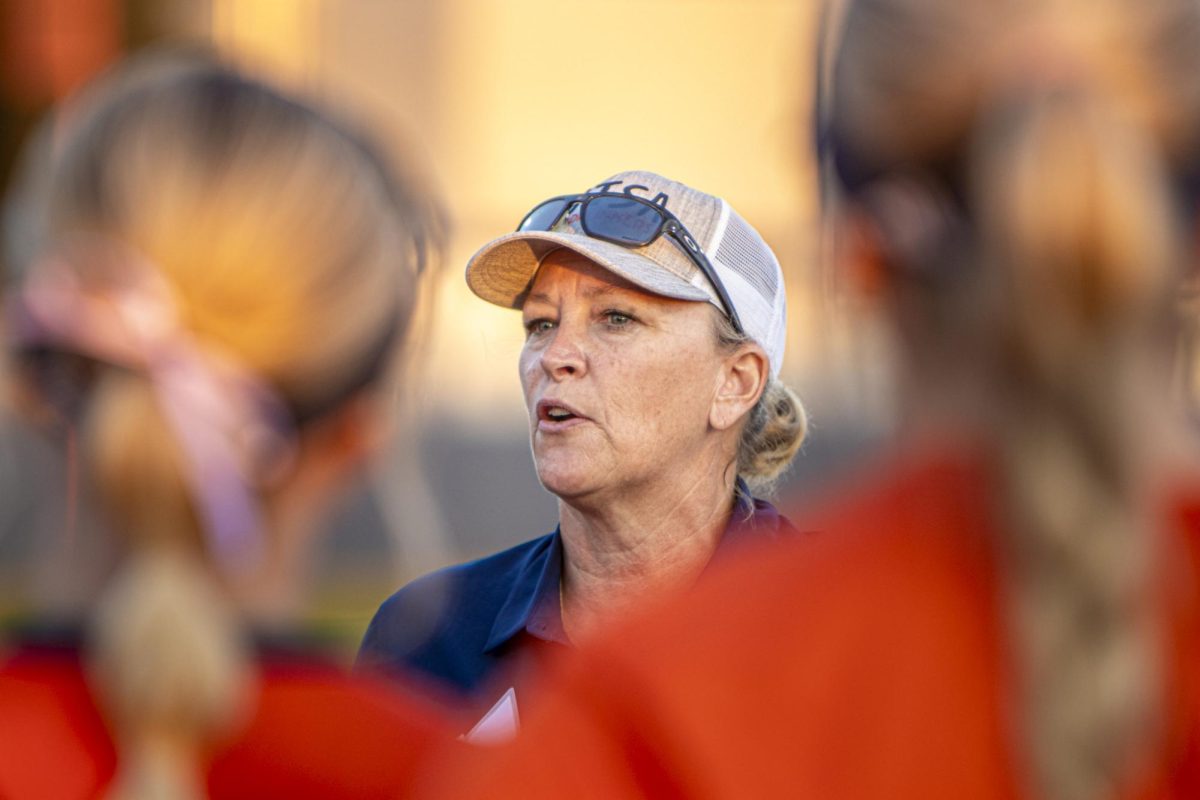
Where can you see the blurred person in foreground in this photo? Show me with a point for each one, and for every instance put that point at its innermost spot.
(655, 319)
(220, 280)
(1008, 605)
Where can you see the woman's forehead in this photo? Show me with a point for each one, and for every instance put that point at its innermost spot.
(566, 267)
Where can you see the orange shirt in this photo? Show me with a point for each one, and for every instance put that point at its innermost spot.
(315, 733)
(867, 661)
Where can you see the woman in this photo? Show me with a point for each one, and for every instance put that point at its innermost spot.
(655, 329)
(1008, 605)
(194, 228)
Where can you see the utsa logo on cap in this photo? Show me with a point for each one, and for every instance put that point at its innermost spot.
(662, 198)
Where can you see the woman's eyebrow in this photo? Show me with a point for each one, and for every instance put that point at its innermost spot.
(593, 292)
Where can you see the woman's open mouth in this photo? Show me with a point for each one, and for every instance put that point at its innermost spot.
(556, 416)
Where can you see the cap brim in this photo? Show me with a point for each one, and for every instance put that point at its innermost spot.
(503, 269)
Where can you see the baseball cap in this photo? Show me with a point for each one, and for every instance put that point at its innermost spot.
(502, 271)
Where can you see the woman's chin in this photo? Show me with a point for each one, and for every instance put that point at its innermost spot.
(567, 482)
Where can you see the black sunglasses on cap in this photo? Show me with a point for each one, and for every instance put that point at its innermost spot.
(628, 221)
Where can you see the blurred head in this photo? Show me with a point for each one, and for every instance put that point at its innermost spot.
(1011, 175)
(220, 276)
(655, 331)
(271, 241)
(1035, 195)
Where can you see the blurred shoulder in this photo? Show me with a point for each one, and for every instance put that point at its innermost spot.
(911, 519)
(53, 741)
(353, 736)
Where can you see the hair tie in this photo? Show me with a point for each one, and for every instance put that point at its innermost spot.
(97, 298)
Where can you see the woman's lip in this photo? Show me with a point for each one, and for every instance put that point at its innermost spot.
(544, 406)
(550, 425)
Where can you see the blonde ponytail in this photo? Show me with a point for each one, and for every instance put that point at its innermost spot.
(772, 436)
(1073, 212)
(165, 655)
(170, 670)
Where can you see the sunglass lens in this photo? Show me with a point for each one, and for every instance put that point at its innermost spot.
(543, 216)
(622, 220)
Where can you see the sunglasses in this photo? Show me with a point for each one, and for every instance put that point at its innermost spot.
(628, 221)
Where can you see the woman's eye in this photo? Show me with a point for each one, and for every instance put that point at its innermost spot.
(536, 326)
(617, 319)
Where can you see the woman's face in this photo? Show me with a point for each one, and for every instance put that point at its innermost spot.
(618, 382)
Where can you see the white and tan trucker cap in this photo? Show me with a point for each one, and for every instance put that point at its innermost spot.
(503, 269)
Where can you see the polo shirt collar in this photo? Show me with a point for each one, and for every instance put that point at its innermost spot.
(751, 520)
(534, 605)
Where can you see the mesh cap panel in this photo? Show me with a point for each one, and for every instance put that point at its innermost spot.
(742, 250)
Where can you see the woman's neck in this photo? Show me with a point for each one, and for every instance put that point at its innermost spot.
(634, 546)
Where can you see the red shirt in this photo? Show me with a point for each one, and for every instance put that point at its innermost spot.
(314, 733)
(868, 661)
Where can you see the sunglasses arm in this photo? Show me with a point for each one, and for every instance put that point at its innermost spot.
(681, 237)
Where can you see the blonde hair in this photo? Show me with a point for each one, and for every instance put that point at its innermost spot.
(1046, 251)
(775, 428)
(289, 249)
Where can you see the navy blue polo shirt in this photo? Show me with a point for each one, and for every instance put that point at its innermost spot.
(466, 625)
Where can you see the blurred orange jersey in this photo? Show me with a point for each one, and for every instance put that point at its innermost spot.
(314, 733)
(868, 661)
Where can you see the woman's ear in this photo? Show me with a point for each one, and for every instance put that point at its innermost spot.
(744, 376)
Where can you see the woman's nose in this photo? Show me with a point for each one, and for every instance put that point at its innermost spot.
(564, 355)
